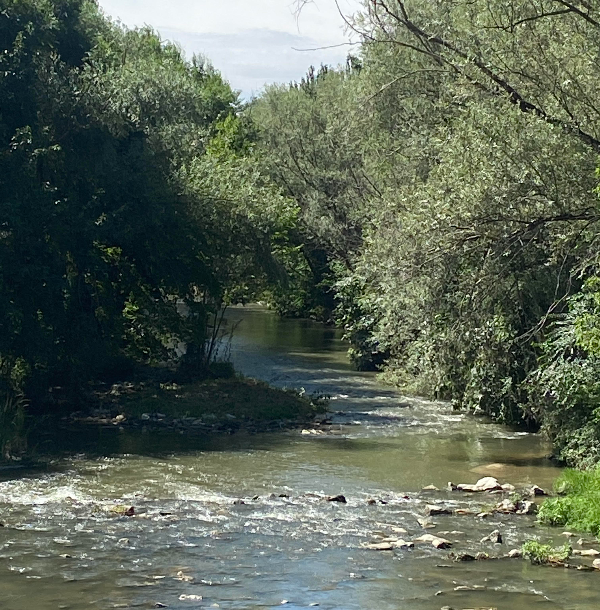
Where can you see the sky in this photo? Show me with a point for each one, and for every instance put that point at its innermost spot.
(251, 42)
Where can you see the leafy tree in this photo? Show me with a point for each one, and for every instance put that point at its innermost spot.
(130, 210)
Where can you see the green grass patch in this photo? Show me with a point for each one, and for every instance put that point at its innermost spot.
(241, 397)
(540, 554)
(578, 506)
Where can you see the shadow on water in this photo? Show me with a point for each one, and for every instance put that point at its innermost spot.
(97, 442)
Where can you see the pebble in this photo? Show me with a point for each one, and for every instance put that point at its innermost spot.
(189, 598)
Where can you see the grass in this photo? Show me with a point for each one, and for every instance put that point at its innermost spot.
(578, 504)
(540, 554)
(241, 397)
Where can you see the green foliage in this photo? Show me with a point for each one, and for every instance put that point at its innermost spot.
(448, 178)
(128, 194)
(564, 392)
(540, 554)
(578, 506)
(13, 438)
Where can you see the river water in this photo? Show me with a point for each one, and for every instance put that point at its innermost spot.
(65, 545)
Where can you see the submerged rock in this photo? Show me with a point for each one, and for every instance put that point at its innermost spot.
(495, 537)
(391, 543)
(426, 523)
(506, 506)
(380, 546)
(463, 557)
(338, 498)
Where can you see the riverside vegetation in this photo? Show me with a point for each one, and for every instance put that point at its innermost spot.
(448, 191)
(437, 197)
(131, 210)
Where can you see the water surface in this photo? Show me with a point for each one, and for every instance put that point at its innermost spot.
(64, 546)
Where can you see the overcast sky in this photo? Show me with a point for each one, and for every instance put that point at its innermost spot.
(251, 42)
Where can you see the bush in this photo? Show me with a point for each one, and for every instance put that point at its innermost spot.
(579, 507)
(540, 554)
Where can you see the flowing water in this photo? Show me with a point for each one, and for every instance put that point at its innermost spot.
(64, 546)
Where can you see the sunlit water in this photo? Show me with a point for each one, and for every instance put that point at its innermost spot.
(63, 546)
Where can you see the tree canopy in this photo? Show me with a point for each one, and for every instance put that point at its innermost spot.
(127, 191)
(467, 143)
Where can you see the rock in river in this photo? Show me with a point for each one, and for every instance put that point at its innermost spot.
(485, 484)
(434, 509)
(436, 541)
(495, 537)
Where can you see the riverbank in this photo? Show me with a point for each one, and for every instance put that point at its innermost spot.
(201, 406)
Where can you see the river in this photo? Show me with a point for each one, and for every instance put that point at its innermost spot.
(63, 546)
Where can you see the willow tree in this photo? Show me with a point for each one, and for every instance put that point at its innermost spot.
(480, 134)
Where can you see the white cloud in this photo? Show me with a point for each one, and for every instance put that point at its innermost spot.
(250, 41)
